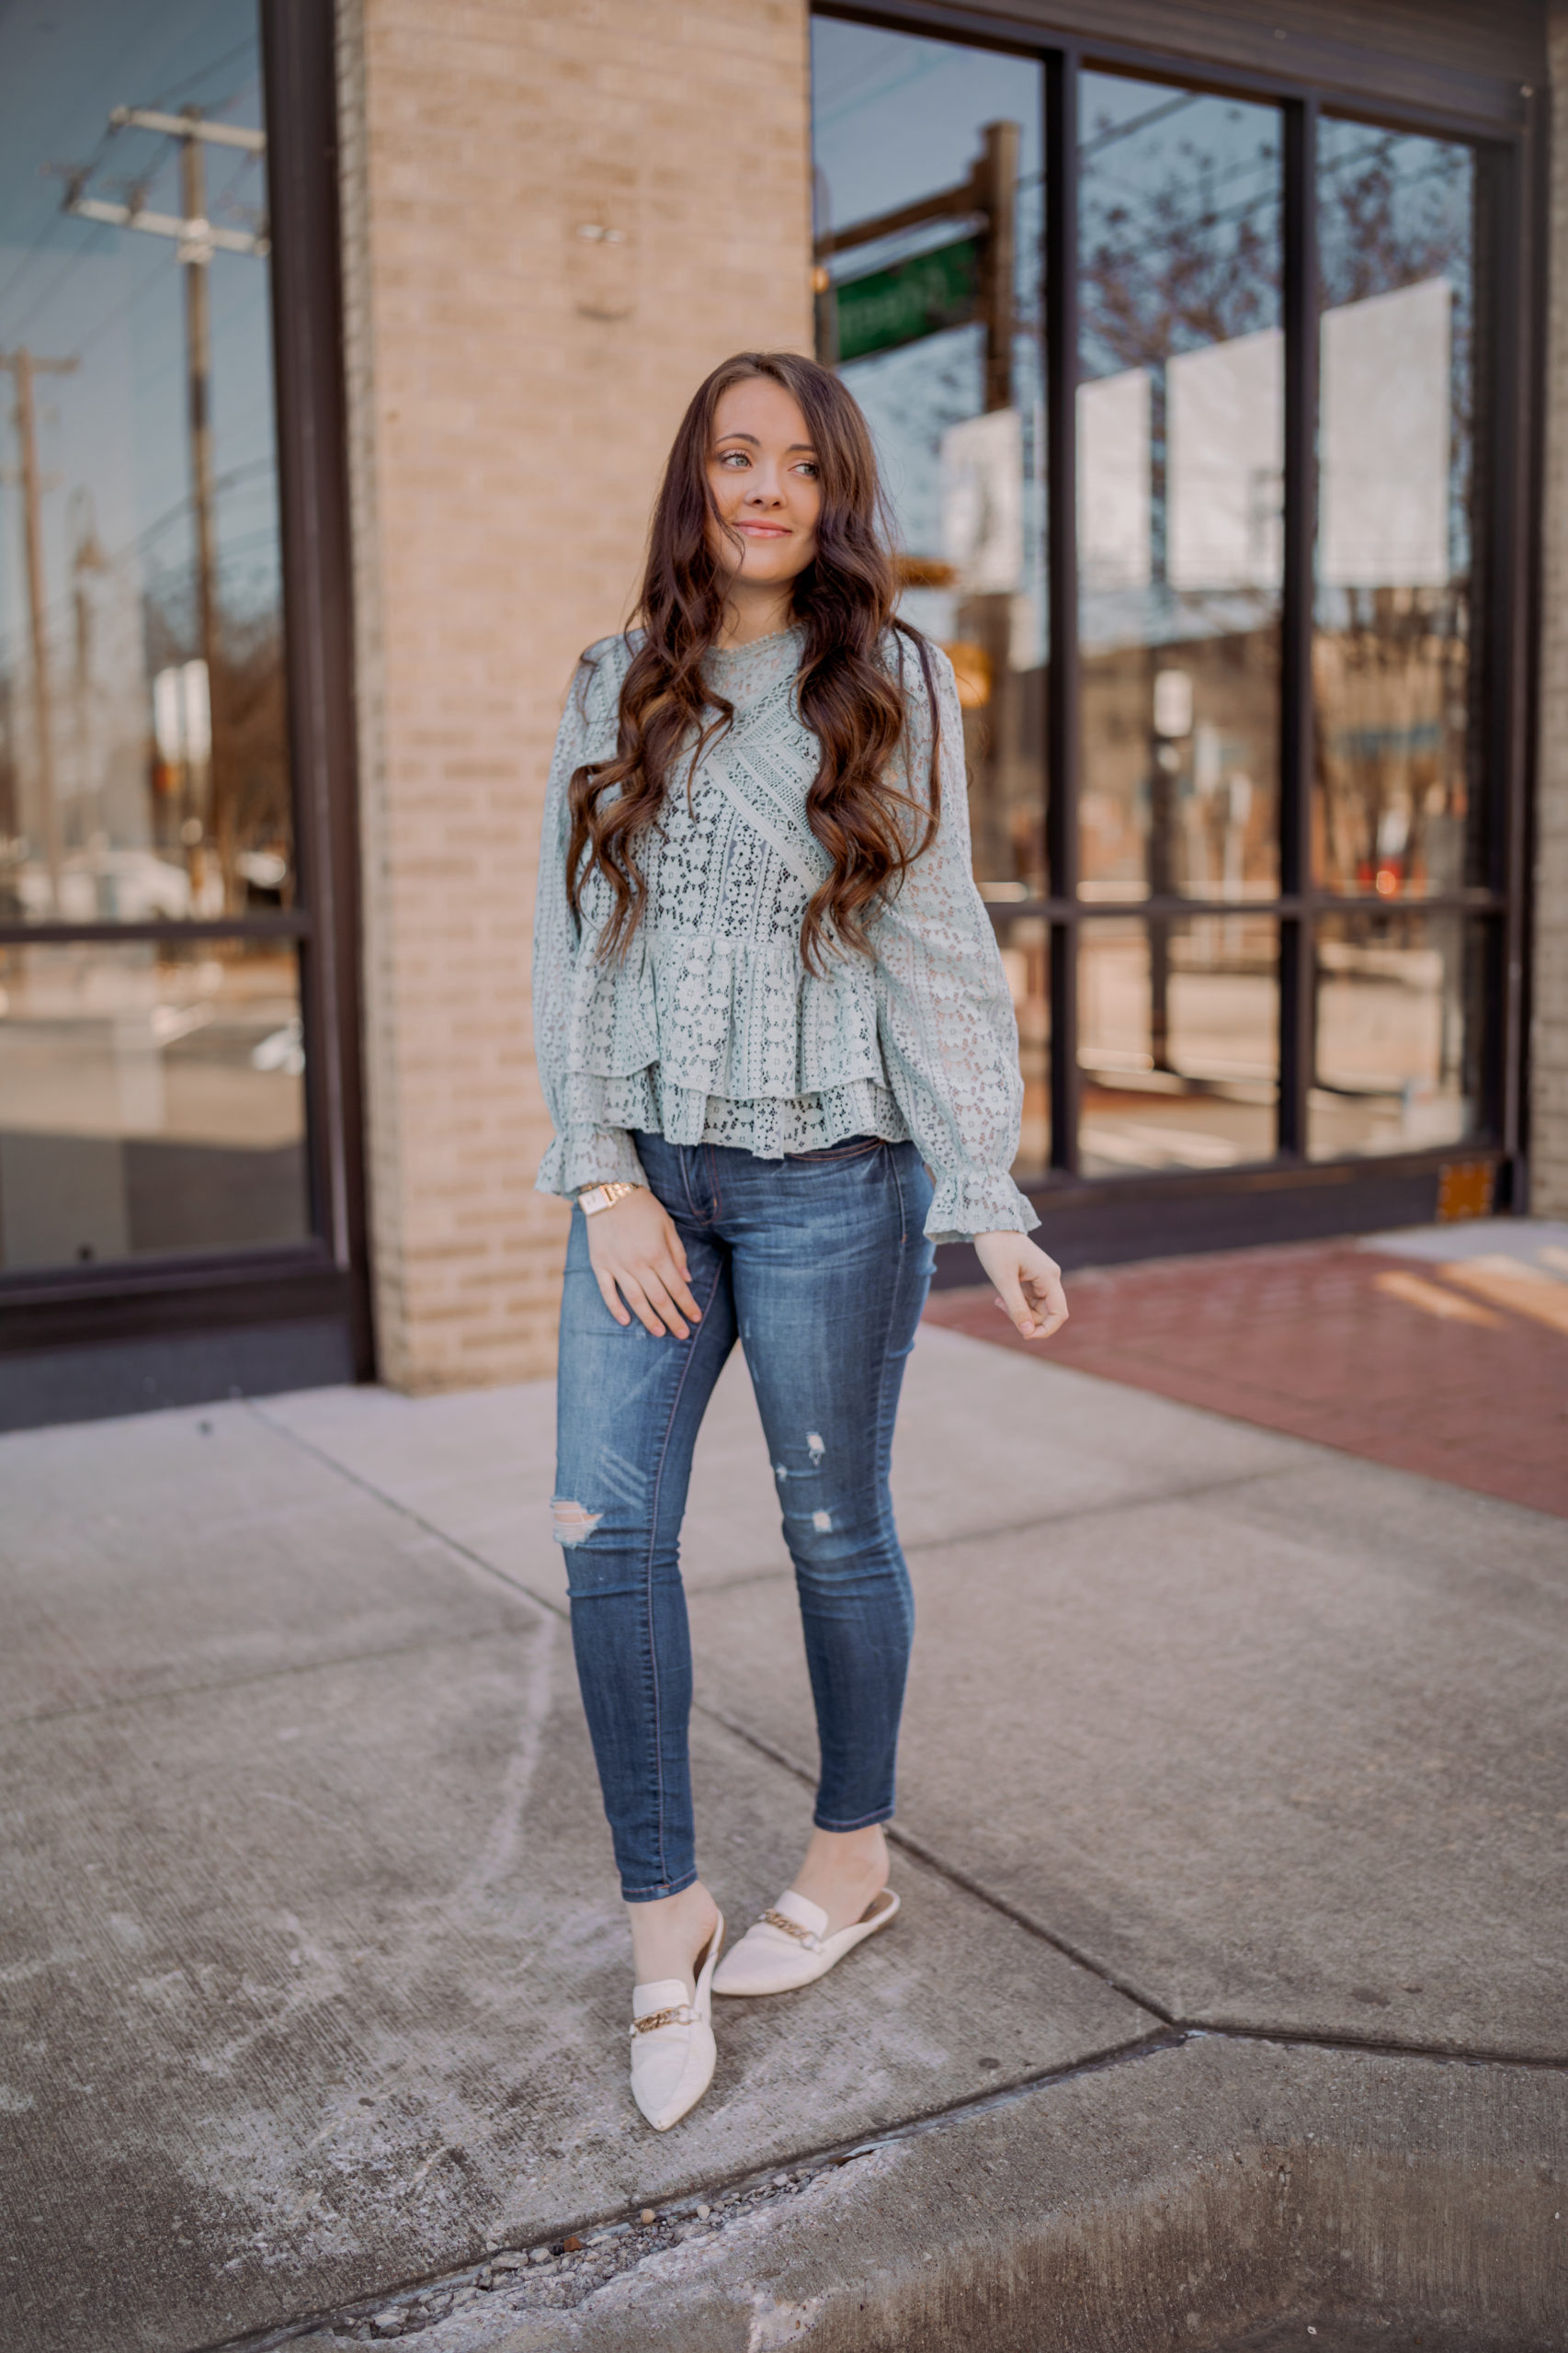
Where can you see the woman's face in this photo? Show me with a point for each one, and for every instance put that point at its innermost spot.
(763, 473)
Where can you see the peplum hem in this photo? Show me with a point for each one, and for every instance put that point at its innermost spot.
(766, 1126)
(605, 1114)
(741, 1019)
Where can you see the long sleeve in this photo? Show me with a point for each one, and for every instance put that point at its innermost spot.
(580, 1155)
(945, 1016)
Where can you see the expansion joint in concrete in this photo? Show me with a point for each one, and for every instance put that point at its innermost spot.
(1442, 2055)
(1301, 2039)
(717, 2190)
(1027, 2112)
(935, 1861)
(1169, 2020)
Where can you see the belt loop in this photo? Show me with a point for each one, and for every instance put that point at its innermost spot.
(686, 1153)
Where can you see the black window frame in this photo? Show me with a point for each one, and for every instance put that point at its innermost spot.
(324, 1278)
(1290, 1196)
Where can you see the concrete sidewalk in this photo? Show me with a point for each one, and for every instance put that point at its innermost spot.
(1232, 1817)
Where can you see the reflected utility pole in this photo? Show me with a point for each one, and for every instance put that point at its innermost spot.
(87, 559)
(195, 242)
(996, 181)
(1171, 723)
(24, 367)
(196, 253)
(990, 191)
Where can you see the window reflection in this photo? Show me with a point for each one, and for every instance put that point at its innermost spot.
(933, 319)
(151, 1099)
(1179, 1029)
(1396, 812)
(1180, 450)
(933, 149)
(1398, 1033)
(144, 767)
(1025, 944)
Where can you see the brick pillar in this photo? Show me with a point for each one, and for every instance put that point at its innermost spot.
(514, 376)
(1549, 1026)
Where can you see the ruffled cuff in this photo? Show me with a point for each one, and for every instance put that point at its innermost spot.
(589, 1156)
(978, 1201)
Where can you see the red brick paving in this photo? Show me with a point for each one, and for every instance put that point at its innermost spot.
(1303, 1340)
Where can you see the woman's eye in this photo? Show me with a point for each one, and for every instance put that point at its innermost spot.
(734, 457)
(811, 471)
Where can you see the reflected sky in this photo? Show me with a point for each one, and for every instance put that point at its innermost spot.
(112, 435)
(896, 118)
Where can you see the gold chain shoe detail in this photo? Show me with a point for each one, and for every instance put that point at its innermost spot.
(808, 1937)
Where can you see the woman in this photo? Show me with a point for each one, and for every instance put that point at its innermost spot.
(766, 992)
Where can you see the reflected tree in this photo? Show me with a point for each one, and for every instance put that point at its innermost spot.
(1180, 251)
(1394, 672)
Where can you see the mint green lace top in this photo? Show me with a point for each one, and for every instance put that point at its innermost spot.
(711, 1031)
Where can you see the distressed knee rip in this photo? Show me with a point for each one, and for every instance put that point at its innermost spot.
(570, 1523)
(816, 1446)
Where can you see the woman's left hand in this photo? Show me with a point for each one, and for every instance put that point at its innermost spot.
(1028, 1284)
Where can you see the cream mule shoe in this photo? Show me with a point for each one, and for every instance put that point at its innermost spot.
(673, 2050)
(787, 1948)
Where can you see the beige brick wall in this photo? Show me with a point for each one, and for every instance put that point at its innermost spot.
(1549, 1029)
(513, 388)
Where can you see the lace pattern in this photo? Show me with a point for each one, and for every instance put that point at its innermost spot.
(710, 1029)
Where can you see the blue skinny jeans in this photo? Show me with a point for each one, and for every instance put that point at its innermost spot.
(818, 1264)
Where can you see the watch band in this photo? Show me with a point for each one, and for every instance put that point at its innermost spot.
(600, 1197)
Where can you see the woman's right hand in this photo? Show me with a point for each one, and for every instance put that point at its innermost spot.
(637, 1256)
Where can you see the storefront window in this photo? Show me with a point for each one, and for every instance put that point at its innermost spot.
(929, 212)
(151, 1095)
(1272, 336)
(145, 769)
(928, 224)
(1180, 459)
(1397, 807)
(1179, 1028)
(1025, 943)
(1400, 999)
(153, 1100)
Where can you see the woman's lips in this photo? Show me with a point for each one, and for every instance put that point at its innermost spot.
(765, 530)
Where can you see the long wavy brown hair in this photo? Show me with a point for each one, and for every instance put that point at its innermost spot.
(850, 694)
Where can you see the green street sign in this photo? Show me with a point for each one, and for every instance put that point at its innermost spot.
(916, 297)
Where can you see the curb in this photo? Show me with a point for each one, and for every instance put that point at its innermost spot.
(1217, 2194)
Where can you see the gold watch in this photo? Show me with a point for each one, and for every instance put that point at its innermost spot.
(600, 1197)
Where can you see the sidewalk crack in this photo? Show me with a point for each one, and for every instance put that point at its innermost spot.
(897, 1836)
(1295, 2038)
